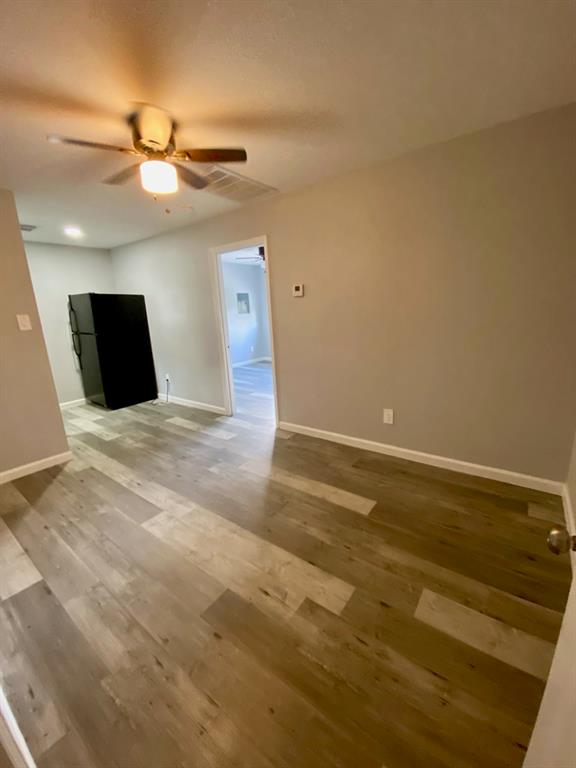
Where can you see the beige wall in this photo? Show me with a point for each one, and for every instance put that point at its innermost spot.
(440, 285)
(175, 277)
(30, 421)
(57, 271)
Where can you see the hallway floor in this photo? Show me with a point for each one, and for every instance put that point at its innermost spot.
(194, 591)
(254, 391)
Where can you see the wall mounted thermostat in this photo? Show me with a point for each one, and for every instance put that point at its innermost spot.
(298, 289)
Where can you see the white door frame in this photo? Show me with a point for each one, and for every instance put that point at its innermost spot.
(222, 316)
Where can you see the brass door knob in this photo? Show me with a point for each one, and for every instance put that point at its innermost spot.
(560, 541)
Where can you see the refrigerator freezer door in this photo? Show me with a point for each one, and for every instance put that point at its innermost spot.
(81, 318)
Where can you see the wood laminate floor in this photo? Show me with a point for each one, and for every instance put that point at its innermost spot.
(194, 591)
(4, 759)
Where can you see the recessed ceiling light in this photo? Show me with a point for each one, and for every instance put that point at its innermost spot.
(74, 232)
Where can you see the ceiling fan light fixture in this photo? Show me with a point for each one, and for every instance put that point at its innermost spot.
(158, 177)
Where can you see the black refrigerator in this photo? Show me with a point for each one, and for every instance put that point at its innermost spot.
(112, 341)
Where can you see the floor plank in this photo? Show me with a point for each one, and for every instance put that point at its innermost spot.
(17, 571)
(513, 646)
(324, 491)
(5, 761)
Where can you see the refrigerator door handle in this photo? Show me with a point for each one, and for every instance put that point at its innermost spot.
(77, 345)
(76, 340)
(73, 318)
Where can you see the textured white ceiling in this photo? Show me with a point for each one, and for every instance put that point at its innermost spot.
(311, 88)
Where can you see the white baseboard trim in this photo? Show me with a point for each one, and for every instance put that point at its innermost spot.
(195, 404)
(35, 466)
(72, 403)
(11, 737)
(443, 462)
(254, 360)
(569, 510)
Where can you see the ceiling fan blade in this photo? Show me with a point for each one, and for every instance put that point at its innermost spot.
(55, 139)
(237, 155)
(42, 97)
(191, 178)
(123, 176)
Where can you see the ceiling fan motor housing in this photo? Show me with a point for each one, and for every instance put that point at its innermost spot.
(152, 130)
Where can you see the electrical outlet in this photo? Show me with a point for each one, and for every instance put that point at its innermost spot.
(388, 416)
(166, 377)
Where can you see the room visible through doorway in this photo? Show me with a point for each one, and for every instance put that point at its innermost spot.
(244, 294)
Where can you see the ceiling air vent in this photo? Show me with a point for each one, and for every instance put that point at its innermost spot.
(27, 227)
(234, 186)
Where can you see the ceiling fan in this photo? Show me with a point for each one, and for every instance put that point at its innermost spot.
(256, 257)
(153, 139)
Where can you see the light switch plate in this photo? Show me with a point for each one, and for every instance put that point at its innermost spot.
(298, 290)
(24, 323)
(388, 416)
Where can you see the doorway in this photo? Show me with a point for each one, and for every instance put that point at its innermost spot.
(244, 300)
